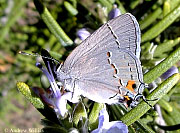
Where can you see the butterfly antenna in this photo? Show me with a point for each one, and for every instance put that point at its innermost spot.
(38, 55)
(146, 100)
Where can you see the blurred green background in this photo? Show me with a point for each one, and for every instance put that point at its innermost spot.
(21, 28)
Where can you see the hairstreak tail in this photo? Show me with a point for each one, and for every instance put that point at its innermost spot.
(105, 67)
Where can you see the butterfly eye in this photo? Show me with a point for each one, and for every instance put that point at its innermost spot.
(134, 86)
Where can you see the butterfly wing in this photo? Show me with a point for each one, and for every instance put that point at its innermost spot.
(107, 59)
(126, 29)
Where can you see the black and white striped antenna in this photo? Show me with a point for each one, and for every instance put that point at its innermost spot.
(38, 55)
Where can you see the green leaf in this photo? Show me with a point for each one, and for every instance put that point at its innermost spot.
(51, 23)
(107, 4)
(172, 117)
(162, 67)
(150, 18)
(94, 115)
(73, 11)
(166, 8)
(79, 112)
(162, 25)
(165, 105)
(166, 46)
(121, 7)
(30, 95)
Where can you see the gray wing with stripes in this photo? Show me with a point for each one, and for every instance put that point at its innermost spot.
(124, 26)
(108, 58)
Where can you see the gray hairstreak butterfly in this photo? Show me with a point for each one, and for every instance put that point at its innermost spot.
(105, 67)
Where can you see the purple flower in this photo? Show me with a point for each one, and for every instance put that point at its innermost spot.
(83, 33)
(114, 13)
(109, 127)
(55, 97)
(169, 72)
(44, 95)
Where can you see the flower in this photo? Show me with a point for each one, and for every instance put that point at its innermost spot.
(109, 127)
(114, 13)
(83, 33)
(169, 72)
(54, 97)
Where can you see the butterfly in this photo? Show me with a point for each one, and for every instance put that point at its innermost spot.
(105, 67)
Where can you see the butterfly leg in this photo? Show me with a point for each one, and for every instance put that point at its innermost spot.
(71, 97)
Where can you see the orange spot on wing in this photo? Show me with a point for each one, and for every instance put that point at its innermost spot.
(108, 54)
(127, 98)
(129, 85)
(113, 66)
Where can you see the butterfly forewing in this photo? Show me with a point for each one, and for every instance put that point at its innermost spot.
(125, 27)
